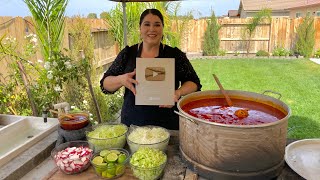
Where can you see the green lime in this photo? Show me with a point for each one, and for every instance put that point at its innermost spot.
(111, 157)
(103, 153)
(97, 160)
(101, 167)
(122, 158)
(111, 168)
(120, 169)
(99, 170)
(115, 151)
(105, 174)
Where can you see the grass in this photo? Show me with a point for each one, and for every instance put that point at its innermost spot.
(298, 81)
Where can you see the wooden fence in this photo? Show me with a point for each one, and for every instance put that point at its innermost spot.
(105, 48)
(280, 32)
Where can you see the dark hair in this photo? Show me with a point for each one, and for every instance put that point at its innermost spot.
(155, 12)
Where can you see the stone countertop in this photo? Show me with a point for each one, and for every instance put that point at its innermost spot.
(175, 169)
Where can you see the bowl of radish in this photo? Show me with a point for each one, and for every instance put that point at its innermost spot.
(72, 157)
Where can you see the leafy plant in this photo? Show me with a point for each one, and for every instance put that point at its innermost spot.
(211, 42)
(83, 43)
(305, 37)
(263, 16)
(115, 20)
(317, 54)
(222, 52)
(280, 51)
(103, 15)
(172, 33)
(49, 21)
(262, 53)
(92, 16)
(56, 73)
(109, 105)
(176, 25)
(19, 68)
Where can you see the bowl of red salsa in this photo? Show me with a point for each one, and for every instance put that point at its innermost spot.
(73, 121)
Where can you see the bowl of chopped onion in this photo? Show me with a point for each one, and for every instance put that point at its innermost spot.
(148, 136)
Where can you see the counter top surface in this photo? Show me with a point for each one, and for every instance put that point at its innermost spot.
(175, 168)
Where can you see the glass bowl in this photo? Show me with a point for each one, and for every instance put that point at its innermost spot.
(148, 136)
(105, 136)
(108, 166)
(72, 157)
(144, 170)
(73, 121)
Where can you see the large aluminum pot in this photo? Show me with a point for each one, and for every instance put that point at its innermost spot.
(221, 151)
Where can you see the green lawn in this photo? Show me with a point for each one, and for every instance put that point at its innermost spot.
(297, 80)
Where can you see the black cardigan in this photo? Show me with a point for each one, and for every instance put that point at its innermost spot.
(150, 115)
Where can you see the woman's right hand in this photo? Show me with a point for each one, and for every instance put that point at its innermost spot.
(128, 81)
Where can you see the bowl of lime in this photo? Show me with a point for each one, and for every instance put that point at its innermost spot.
(110, 163)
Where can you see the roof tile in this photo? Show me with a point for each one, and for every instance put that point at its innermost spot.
(252, 5)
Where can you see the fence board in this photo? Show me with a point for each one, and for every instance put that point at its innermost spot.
(281, 32)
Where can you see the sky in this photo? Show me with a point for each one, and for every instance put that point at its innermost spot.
(199, 8)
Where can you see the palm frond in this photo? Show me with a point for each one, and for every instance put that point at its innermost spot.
(49, 20)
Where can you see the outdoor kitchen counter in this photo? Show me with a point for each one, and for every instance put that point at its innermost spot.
(175, 168)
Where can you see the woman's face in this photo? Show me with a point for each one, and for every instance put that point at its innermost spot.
(151, 29)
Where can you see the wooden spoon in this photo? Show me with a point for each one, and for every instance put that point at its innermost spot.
(240, 113)
(62, 114)
(229, 102)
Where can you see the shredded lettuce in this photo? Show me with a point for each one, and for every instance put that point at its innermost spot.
(108, 136)
(146, 135)
(148, 163)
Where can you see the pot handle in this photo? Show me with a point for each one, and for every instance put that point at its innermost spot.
(180, 114)
(269, 91)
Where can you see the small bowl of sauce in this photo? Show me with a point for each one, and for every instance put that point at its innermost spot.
(73, 121)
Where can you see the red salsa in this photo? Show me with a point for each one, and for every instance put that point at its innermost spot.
(210, 110)
(78, 121)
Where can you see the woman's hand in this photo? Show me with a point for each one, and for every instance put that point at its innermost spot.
(177, 96)
(128, 81)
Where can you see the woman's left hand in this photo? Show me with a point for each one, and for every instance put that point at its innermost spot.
(177, 96)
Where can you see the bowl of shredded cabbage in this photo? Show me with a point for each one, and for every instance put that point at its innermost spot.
(148, 163)
(148, 136)
(106, 136)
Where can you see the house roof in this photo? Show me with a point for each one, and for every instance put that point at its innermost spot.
(255, 5)
(233, 13)
(141, 0)
(308, 3)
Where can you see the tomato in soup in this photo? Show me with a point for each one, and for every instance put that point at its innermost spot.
(211, 110)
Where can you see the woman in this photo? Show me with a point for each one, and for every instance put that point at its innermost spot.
(122, 73)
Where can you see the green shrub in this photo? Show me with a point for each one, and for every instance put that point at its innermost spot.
(262, 53)
(280, 51)
(109, 104)
(317, 54)
(305, 37)
(222, 52)
(236, 53)
(211, 42)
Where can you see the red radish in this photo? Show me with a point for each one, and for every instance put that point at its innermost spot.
(73, 159)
